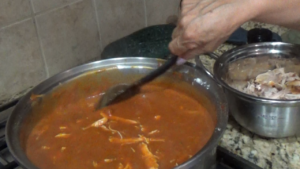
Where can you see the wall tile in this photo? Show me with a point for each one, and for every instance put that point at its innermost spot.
(118, 18)
(42, 5)
(21, 64)
(69, 36)
(159, 10)
(13, 10)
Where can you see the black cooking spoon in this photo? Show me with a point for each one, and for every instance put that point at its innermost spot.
(122, 92)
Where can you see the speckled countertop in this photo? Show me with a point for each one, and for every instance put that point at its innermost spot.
(266, 153)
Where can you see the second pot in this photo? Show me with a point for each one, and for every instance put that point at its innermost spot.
(271, 118)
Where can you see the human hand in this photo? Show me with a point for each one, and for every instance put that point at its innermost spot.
(205, 24)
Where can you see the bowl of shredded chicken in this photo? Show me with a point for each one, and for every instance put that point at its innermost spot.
(266, 77)
(261, 82)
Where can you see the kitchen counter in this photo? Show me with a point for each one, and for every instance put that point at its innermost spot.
(266, 153)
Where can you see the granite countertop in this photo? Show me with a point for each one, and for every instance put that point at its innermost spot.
(266, 153)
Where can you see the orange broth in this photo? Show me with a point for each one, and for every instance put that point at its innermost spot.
(159, 128)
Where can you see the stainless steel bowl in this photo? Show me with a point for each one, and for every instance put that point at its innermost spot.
(265, 117)
(213, 97)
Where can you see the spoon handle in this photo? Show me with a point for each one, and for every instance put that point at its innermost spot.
(160, 70)
(131, 90)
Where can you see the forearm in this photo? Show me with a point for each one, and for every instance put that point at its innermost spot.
(205, 24)
(280, 12)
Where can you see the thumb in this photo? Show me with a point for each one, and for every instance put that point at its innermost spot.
(180, 61)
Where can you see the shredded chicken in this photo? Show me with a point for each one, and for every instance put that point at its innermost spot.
(45, 148)
(120, 119)
(134, 140)
(35, 96)
(95, 164)
(128, 166)
(62, 135)
(149, 158)
(104, 128)
(158, 117)
(115, 131)
(62, 127)
(120, 166)
(63, 149)
(97, 123)
(274, 84)
(153, 132)
(109, 160)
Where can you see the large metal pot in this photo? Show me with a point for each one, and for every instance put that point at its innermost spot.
(265, 117)
(212, 94)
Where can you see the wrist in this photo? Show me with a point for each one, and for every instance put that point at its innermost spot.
(246, 10)
(260, 8)
(253, 9)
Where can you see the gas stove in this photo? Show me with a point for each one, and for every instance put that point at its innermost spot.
(225, 159)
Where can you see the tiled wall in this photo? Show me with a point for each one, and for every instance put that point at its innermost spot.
(39, 38)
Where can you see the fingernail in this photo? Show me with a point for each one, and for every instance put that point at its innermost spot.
(180, 61)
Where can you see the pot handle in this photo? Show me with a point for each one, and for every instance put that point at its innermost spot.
(200, 64)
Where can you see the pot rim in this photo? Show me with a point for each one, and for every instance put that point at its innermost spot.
(11, 125)
(231, 54)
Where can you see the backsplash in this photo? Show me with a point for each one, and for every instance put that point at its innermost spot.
(39, 38)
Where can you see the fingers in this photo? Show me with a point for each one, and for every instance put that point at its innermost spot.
(176, 47)
(185, 39)
(196, 6)
(188, 5)
(184, 50)
(175, 33)
(201, 49)
(192, 53)
(203, 26)
(184, 35)
(180, 61)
